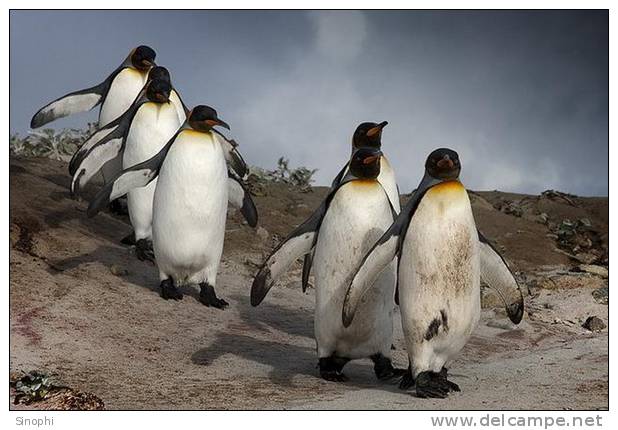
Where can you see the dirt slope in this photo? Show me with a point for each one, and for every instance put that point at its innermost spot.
(85, 309)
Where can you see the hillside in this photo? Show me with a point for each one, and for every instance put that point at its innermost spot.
(85, 310)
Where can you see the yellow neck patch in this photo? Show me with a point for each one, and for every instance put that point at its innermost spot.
(447, 187)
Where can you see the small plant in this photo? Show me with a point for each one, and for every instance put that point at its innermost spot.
(300, 177)
(49, 143)
(33, 387)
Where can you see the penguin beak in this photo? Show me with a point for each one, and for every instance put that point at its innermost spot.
(445, 163)
(220, 123)
(377, 129)
(373, 158)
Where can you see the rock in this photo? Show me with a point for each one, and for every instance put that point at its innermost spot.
(489, 298)
(601, 295)
(118, 271)
(595, 270)
(262, 233)
(586, 257)
(503, 324)
(594, 323)
(543, 218)
(567, 282)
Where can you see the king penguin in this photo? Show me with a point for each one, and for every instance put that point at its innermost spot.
(115, 95)
(354, 215)
(189, 207)
(439, 273)
(366, 135)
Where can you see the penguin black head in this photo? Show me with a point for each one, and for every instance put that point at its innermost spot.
(368, 134)
(443, 163)
(158, 91)
(143, 57)
(160, 73)
(204, 118)
(365, 163)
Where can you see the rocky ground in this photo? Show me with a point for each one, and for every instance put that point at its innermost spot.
(86, 314)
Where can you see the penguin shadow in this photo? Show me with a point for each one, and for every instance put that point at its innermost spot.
(267, 316)
(285, 360)
(135, 272)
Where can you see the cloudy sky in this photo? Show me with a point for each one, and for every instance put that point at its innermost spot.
(522, 96)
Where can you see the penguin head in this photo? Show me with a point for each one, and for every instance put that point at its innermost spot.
(143, 57)
(365, 163)
(204, 118)
(160, 73)
(368, 134)
(443, 163)
(158, 91)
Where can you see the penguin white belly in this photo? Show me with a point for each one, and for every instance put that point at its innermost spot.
(122, 93)
(152, 127)
(357, 217)
(175, 100)
(439, 278)
(189, 210)
(389, 182)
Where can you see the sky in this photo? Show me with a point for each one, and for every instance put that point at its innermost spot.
(521, 96)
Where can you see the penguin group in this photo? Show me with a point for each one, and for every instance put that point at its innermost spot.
(367, 253)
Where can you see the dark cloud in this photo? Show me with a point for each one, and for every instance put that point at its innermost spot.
(523, 96)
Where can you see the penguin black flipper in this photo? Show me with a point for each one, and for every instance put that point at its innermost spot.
(495, 272)
(232, 156)
(100, 148)
(75, 102)
(136, 176)
(240, 198)
(307, 263)
(382, 253)
(298, 243)
(340, 175)
(95, 137)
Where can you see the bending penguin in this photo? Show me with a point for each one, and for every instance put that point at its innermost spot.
(436, 239)
(366, 135)
(189, 208)
(353, 216)
(115, 94)
(136, 136)
(139, 134)
(111, 131)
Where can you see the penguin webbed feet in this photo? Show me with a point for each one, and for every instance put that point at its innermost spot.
(434, 385)
(169, 291)
(331, 368)
(144, 251)
(209, 298)
(384, 369)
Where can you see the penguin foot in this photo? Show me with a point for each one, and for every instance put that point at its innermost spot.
(209, 298)
(169, 291)
(143, 250)
(119, 207)
(128, 239)
(383, 367)
(331, 368)
(434, 385)
(407, 381)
